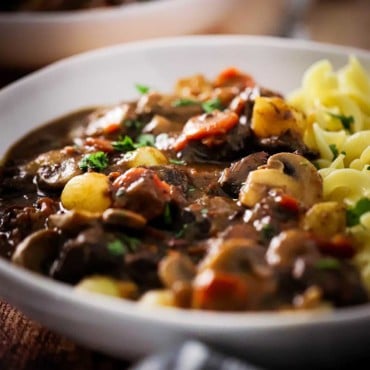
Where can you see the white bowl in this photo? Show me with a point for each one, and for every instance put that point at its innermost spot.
(33, 39)
(122, 328)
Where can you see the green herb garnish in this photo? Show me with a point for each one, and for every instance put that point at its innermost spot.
(191, 189)
(346, 121)
(131, 242)
(145, 140)
(368, 168)
(204, 211)
(210, 105)
(167, 216)
(334, 150)
(183, 102)
(181, 232)
(142, 89)
(327, 264)
(354, 214)
(268, 232)
(96, 161)
(177, 161)
(133, 123)
(116, 248)
(123, 245)
(124, 144)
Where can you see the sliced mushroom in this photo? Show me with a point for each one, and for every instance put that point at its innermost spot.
(56, 175)
(104, 117)
(54, 168)
(160, 125)
(124, 217)
(288, 246)
(154, 103)
(234, 176)
(72, 221)
(37, 250)
(237, 255)
(176, 268)
(235, 276)
(292, 173)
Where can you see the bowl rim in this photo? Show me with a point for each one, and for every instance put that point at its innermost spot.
(209, 320)
(186, 40)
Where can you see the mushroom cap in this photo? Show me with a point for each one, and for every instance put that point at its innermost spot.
(290, 172)
(285, 248)
(124, 217)
(175, 268)
(36, 250)
(237, 255)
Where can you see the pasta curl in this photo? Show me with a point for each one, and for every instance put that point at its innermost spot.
(337, 106)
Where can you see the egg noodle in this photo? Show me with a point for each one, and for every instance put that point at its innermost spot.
(337, 106)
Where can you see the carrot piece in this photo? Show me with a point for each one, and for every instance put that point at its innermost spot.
(339, 246)
(233, 76)
(112, 128)
(219, 291)
(288, 202)
(206, 125)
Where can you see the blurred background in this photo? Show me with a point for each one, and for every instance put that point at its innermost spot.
(343, 22)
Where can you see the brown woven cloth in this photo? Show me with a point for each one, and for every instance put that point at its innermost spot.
(26, 345)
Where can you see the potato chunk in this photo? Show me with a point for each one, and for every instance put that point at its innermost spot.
(273, 116)
(108, 286)
(87, 192)
(145, 156)
(325, 219)
(154, 298)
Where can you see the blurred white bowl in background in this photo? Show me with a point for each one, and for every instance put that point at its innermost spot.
(262, 17)
(33, 39)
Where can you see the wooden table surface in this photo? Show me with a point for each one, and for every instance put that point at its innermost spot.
(26, 345)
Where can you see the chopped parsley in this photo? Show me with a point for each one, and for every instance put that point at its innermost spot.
(204, 211)
(133, 123)
(334, 150)
(183, 102)
(177, 161)
(327, 264)
(96, 161)
(123, 245)
(210, 105)
(132, 243)
(368, 168)
(354, 213)
(181, 232)
(268, 232)
(346, 121)
(191, 189)
(124, 144)
(142, 89)
(145, 140)
(167, 216)
(116, 248)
